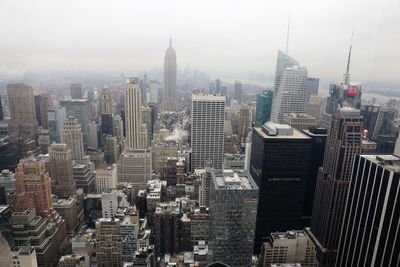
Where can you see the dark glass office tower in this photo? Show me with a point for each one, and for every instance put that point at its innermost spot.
(318, 140)
(342, 144)
(1, 110)
(279, 163)
(107, 123)
(370, 233)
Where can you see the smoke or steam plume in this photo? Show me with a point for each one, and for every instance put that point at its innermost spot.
(178, 134)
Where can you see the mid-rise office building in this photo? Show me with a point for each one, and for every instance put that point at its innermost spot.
(61, 171)
(207, 136)
(134, 166)
(108, 242)
(71, 210)
(299, 121)
(74, 260)
(22, 110)
(290, 89)
(291, 247)
(7, 179)
(280, 161)
(106, 178)
(369, 235)
(25, 257)
(233, 208)
(84, 176)
(342, 145)
(243, 122)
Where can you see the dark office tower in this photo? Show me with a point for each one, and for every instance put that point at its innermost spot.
(237, 91)
(318, 140)
(312, 87)
(263, 107)
(22, 110)
(41, 106)
(342, 144)
(1, 110)
(76, 91)
(370, 232)
(107, 124)
(123, 120)
(169, 99)
(79, 109)
(279, 163)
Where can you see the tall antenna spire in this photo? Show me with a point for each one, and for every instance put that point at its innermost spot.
(287, 36)
(170, 41)
(347, 75)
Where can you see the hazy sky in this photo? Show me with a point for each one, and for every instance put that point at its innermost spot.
(222, 38)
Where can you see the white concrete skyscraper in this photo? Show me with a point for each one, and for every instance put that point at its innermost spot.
(208, 117)
(169, 96)
(73, 137)
(290, 89)
(133, 116)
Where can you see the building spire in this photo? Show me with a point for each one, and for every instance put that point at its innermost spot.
(287, 36)
(347, 74)
(170, 42)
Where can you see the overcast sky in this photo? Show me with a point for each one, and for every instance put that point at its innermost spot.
(222, 38)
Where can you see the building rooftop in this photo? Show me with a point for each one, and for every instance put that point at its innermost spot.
(287, 132)
(288, 235)
(208, 97)
(229, 179)
(390, 162)
(298, 116)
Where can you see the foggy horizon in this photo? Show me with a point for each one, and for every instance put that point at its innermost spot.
(223, 39)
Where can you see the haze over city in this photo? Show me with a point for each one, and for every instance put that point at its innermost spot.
(223, 38)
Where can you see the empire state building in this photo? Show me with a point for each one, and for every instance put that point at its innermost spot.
(169, 97)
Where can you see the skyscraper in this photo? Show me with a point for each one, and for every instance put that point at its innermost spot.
(263, 107)
(41, 106)
(290, 89)
(60, 168)
(22, 110)
(76, 91)
(169, 96)
(207, 136)
(72, 133)
(237, 91)
(108, 245)
(1, 110)
(312, 87)
(233, 208)
(244, 122)
(133, 115)
(369, 235)
(342, 144)
(105, 101)
(56, 119)
(80, 109)
(280, 158)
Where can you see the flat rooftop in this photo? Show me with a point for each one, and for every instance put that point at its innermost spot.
(229, 179)
(296, 135)
(204, 97)
(390, 162)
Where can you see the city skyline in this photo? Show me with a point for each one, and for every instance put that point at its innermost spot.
(260, 29)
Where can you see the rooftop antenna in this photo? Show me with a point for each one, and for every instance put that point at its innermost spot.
(347, 74)
(287, 36)
(170, 41)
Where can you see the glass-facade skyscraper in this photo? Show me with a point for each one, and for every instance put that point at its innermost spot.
(263, 107)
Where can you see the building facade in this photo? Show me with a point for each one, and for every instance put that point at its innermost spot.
(207, 133)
